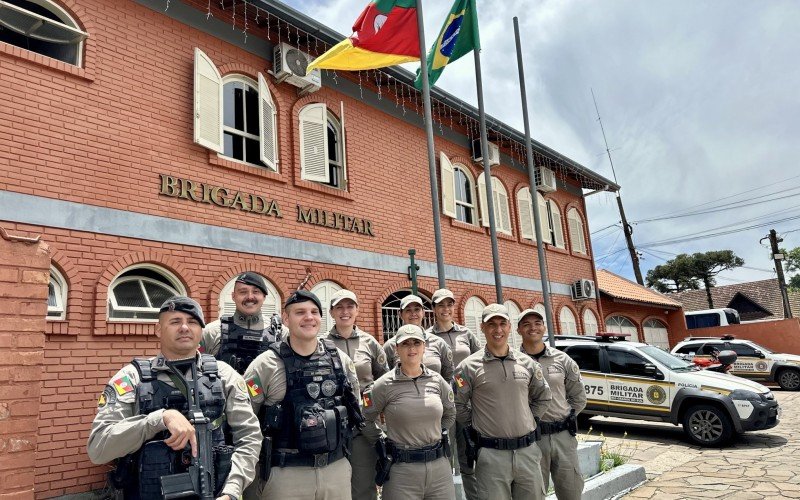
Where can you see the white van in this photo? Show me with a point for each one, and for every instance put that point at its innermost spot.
(712, 317)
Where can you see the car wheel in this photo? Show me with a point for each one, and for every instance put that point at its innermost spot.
(707, 425)
(789, 380)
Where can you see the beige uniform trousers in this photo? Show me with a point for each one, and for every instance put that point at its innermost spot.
(458, 442)
(362, 460)
(560, 459)
(331, 482)
(420, 481)
(510, 474)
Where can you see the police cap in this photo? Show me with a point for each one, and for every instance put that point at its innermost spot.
(494, 310)
(186, 305)
(303, 296)
(410, 299)
(530, 312)
(441, 294)
(406, 332)
(250, 278)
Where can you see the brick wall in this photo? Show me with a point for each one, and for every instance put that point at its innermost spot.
(24, 271)
(639, 313)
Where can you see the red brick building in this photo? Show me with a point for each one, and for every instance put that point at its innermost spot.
(155, 153)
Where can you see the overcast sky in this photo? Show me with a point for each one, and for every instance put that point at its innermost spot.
(699, 100)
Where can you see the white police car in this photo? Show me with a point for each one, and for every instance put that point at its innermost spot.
(640, 381)
(753, 361)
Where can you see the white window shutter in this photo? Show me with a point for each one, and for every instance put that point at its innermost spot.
(448, 180)
(343, 142)
(581, 236)
(577, 241)
(544, 218)
(266, 125)
(207, 103)
(482, 200)
(505, 216)
(558, 229)
(525, 213)
(314, 143)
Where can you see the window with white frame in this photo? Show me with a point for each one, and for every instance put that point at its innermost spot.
(138, 292)
(272, 302)
(656, 333)
(590, 326)
(550, 220)
(43, 27)
(577, 239)
(458, 192)
(502, 215)
(525, 209)
(322, 147)
(324, 290)
(473, 310)
(234, 116)
(390, 312)
(566, 321)
(621, 324)
(514, 340)
(56, 296)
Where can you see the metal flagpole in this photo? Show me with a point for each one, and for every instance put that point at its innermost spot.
(426, 104)
(540, 250)
(487, 174)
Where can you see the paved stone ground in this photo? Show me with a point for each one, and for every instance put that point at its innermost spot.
(759, 465)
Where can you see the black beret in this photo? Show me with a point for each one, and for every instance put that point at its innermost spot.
(303, 296)
(184, 304)
(249, 278)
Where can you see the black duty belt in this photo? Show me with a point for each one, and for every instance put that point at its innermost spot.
(553, 427)
(427, 454)
(284, 459)
(508, 443)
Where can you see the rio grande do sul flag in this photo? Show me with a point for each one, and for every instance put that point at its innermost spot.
(458, 37)
(384, 34)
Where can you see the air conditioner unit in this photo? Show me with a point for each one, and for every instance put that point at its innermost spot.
(289, 65)
(494, 153)
(545, 180)
(583, 289)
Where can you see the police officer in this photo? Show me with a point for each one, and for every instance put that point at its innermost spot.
(558, 425)
(238, 339)
(370, 361)
(306, 395)
(463, 343)
(418, 405)
(142, 413)
(499, 395)
(438, 355)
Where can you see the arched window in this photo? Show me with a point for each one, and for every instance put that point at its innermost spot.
(322, 147)
(539, 308)
(525, 209)
(500, 199)
(577, 239)
(324, 290)
(550, 219)
(138, 292)
(43, 27)
(656, 333)
(272, 302)
(390, 312)
(465, 195)
(590, 326)
(566, 321)
(621, 324)
(514, 340)
(242, 122)
(56, 296)
(473, 310)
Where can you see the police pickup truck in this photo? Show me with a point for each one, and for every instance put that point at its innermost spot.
(753, 361)
(639, 381)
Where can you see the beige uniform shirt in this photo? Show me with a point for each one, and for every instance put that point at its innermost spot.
(266, 377)
(564, 378)
(212, 333)
(118, 431)
(438, 356)
(366, 353)
(500, 397)
(416, 410)
(459, 338)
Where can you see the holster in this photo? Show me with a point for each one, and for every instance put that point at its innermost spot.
(223, 455)
(446, 443)
(472, 446)
(265, 459)
(537, 433)
(572, 423)
(384, 463)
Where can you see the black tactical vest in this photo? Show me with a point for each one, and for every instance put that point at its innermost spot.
(313, 417)
(239, 346)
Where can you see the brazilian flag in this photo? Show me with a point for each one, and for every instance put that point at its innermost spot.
(459, 36)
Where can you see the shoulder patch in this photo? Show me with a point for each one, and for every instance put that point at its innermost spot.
(381, 358)
(538, 373)
(241, 386)
(460, 381)
(107, 397)
(123, 385)
(450, 396)
(254, 386)
(575, 368)
(366, 399)
(450, 355)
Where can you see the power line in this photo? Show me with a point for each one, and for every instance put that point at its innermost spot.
(770, 271)
(701, 235)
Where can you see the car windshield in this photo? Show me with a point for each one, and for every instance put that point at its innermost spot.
(668, 360)
(761, 348)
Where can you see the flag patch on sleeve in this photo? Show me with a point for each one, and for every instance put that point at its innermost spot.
(460, 382)
(366, 399)
(254, 386)
(123, 385)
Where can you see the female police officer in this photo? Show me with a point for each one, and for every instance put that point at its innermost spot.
(417, 404)
(370, 362)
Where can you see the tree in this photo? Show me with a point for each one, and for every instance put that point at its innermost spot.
(686, 272)
(792, 265)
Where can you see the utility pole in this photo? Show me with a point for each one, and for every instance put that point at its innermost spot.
(627, 228)
(777, 256)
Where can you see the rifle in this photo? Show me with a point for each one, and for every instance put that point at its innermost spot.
(198, 481)
(275, 329)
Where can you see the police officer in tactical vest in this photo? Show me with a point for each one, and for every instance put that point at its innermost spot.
(239, 338)
(305, 392)
(146, 410)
